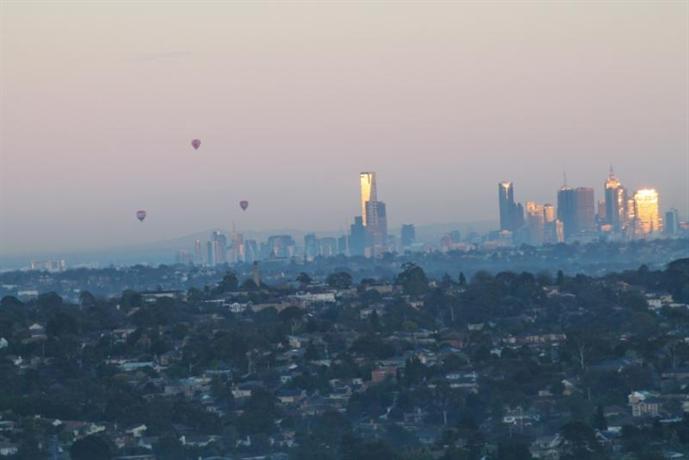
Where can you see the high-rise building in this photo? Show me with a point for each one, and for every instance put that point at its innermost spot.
(586, 209)
(566, 210)
(328, 246)
(553, 231)
(511, 213)
(342, 244)
(219, 247)
(357, 237)
(576, 210)
(646, 212)
(549, 213)
(671, 223)
(377, 225)
(407, 235)
(615, 203)
(310, 246)
(210, 255)
(506, 205)
(367, 183)
(535, 223)
(198, 253)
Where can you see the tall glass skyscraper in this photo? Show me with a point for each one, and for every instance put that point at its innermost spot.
(615, 203)
(367, 184)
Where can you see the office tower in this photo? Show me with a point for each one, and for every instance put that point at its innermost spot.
(377, 225)
(600, 213)
(552, 226)
(506, 205)
(328, 246)
(342, 244)
(219, 247)
(585, 209)
(183, 257)
(407, 235)
(566, 210)
(198, 253)
(210, 257)
(367, 182)
(511, 213)
(251, 252)
(357, 237)
(311, 249)
(535, 223)
(280, 246)
(615, 203)
(671, 224)
(646, 212)
(576, 210)
(548, 213)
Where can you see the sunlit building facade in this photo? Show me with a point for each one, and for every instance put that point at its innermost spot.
(646, 212)
(615, 203)
(367, 184)
(535, 223)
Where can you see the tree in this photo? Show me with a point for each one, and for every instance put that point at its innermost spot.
(61, 324)
(513, 449)
(90, 448)
(462, 279)
(560, 278)
(412, 279)
(10, 301)
(49, 300)
(598, 420)
(339, 280)
(304, 279)
(229, 283)
(86, 299)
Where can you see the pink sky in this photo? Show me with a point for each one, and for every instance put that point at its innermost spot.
(100, 101)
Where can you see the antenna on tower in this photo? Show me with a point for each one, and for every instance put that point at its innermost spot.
(564, 179)
(612, 171)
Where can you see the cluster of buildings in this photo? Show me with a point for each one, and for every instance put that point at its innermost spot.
(368, 236)
(620, 215)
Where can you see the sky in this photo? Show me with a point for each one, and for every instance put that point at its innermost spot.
(99, 102)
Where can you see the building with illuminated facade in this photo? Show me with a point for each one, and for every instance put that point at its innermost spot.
(646, 212)
(367, 185)
(615, 203)
(535, 223)
(511, 213)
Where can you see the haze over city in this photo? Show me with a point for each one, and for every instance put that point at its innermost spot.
(100, 102)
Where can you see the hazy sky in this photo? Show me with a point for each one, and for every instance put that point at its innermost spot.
(291, 100)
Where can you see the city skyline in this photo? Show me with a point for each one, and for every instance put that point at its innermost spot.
(441, 116)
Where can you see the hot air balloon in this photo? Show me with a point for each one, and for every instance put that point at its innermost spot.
(141, 215)
(196, 143)
(243, 204)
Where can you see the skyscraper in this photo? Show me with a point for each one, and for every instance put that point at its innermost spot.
(311, 249)
(377, 225)
(671, 223)
(506, 205)
(615, 203)
(407, 235)
(357, 237)
(566, 210)
(646, 212)
(535, 223)
(585, 209)
(576, 210)
(367, 182)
